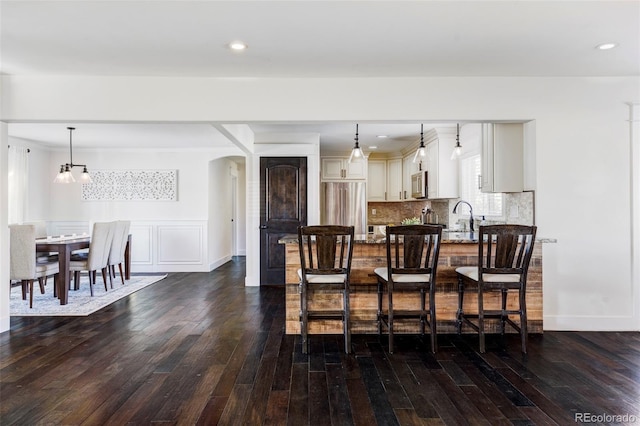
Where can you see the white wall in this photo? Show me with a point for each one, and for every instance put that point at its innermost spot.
(582, 152)
(4, 228)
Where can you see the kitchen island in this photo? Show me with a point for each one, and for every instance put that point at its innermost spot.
(456, 249)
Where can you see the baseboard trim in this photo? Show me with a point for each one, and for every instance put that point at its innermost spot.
(590, 323)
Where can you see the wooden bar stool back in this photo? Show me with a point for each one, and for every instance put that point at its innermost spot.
(325, 260)
(504, 254)
(412, 262)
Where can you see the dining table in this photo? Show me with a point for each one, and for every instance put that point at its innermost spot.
(64, 245)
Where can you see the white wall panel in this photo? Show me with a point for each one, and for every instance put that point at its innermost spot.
(141, 245)
(180, 245)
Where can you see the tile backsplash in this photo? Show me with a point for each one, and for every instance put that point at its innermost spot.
(519, 209)
(394, 212)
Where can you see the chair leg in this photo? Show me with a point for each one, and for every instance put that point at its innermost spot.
(41, 283)
(380, 285)
(346, 321)
(92, 279)
(30, 294)
(503, 315)
(390, 317)
(303, 318)
(76, 280)
(460, 300)
(481, 319)
(121, 274)
(432, 319)
(24, 284)
(523, 320)
(104, 278)
(55, 285)
(422, 308)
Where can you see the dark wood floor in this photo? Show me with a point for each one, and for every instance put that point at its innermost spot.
(200, 348)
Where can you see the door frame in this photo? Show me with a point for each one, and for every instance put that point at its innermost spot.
(306, 148)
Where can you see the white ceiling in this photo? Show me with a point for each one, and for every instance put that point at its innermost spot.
(307, 39)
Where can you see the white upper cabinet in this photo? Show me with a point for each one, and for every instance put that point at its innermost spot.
(385, 180)
(502, 157)
(338, 168)
(377, 182)
(442, 177)
(394, 180)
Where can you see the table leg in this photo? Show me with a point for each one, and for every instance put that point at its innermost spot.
(64, 257)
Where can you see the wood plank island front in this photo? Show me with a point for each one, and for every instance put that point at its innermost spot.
(368, 254)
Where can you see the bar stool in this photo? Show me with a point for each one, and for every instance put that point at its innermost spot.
(412, 261)
(325, 266)
(504, 253)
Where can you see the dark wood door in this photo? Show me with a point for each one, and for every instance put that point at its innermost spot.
(283, 207)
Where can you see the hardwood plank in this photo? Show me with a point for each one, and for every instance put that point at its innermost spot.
(299, 396)
(319, 412)
(338, 396)
(277, 407)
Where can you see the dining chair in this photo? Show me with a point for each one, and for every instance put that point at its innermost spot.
(412, 262)
(118, 246)
(24, 266)
(504, 254)
(97, 256)
(325, 268)
(43, 256)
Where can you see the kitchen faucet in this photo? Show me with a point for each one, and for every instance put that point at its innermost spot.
(470, 212)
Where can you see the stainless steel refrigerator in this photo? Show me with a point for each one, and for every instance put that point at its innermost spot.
(344, 203)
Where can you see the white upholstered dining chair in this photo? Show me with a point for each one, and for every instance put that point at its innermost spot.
(118, 246)
(97, 256)
(23, 264)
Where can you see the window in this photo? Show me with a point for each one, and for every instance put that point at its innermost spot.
(484, 204)
(18, 175)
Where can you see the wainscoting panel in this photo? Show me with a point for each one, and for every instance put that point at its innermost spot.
(180, 245)
(141, 245)
(156, 246)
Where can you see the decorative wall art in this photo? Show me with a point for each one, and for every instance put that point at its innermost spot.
(132, 185)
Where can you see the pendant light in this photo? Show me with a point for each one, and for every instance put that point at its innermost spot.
(356, 152)
(65, 176)
(421, 152)
(457, 150)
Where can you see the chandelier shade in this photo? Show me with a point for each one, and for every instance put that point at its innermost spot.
(65, 176)
(356, 153)
(457, 149)
(421, 152)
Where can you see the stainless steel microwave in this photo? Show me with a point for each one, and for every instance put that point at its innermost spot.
(419, 188)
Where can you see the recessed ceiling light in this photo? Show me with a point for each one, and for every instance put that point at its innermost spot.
(606, 46)
(382, 136)
(237, 45)
(373, 147)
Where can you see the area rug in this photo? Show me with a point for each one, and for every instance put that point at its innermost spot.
(80, 302)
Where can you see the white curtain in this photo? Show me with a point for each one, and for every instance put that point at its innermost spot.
(18, 183)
